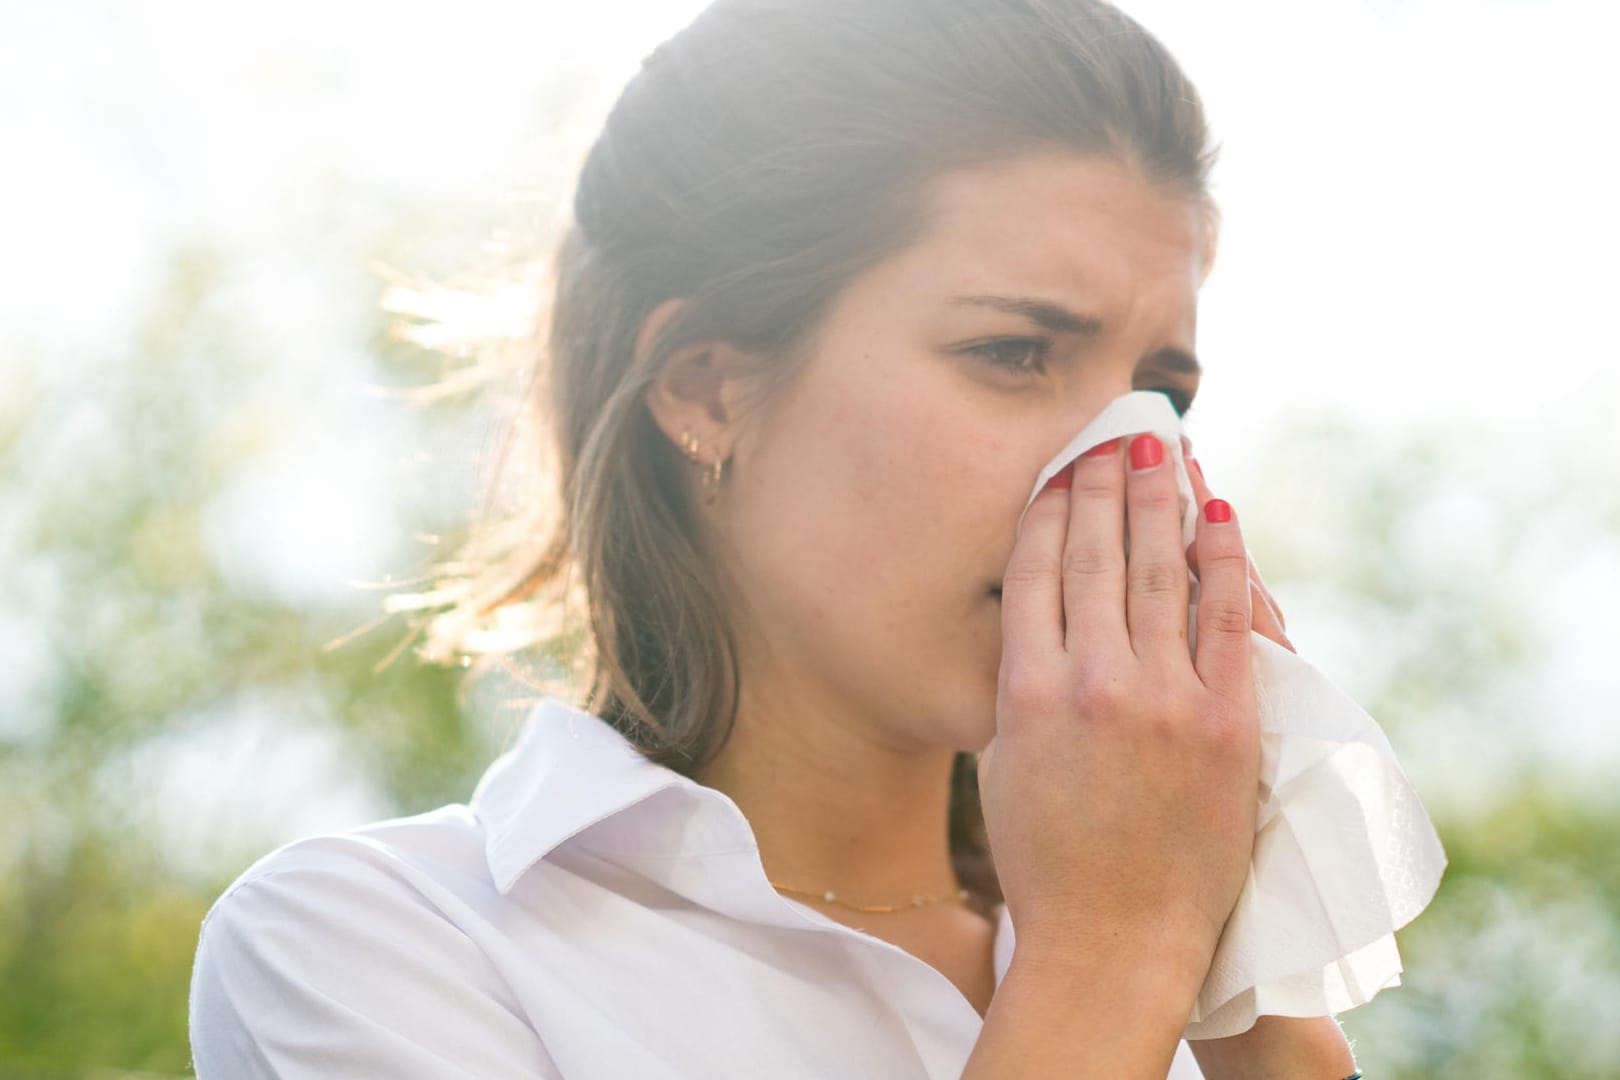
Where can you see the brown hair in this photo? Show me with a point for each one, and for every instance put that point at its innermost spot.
(756, 162)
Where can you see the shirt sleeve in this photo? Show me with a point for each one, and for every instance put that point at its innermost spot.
(336, 968)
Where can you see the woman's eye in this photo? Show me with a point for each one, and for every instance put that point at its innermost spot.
(1029, 355)
(996, 353)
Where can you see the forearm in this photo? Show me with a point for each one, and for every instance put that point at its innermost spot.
(1279, 1048)
(1046, 1023)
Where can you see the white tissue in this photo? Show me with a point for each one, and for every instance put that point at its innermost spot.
(1344, 854)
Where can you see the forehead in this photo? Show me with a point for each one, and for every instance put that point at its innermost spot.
(1062, 222)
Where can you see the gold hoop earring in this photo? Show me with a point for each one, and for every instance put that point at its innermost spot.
(712, 480)
(712, 475)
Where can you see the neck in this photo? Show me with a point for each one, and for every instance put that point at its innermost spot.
(837, 804)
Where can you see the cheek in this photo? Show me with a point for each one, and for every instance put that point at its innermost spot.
(886, 500)
(921, 476)
(891, 503)
(924, 530)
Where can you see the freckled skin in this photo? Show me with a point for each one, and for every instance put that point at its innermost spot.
(873, 508)
(868, 510)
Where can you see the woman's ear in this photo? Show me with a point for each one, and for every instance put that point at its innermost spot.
(697, 389)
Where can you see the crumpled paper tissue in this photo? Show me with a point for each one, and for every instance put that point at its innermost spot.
(1344, 854)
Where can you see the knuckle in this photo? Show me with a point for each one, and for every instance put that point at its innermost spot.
(1025, 572)
(1029, 690)
(1101, 694)
(1167, 714)
(1216, 556)
(1157, 579)
(1224, 616)
(1146, 493)
(1095, 483)
(1044, 508)
(1087, 561)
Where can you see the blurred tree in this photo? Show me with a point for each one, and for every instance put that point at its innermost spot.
(112, 481)
(1424, 565)
(169, 718)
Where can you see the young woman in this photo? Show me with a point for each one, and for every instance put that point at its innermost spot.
(842, 276)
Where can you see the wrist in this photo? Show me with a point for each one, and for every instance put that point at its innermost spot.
(1051, 1018)
(1166, 974)
(1153, 988)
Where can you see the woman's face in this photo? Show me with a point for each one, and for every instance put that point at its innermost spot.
(871, 508)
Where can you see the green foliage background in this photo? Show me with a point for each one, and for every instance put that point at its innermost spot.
(1442, 576)
(1513, 972)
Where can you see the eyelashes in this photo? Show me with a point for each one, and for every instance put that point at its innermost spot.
(1031, 354)
(1039, 347)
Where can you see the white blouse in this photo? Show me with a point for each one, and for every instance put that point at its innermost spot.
(590, 915)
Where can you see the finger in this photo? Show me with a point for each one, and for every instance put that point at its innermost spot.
(1156, 585)
(1195, 473)
(1032, 586)
(1201, 494)
(1263, 599)
(1225, 613)
(1276, 608)
(1094, 554)
(1265, 621)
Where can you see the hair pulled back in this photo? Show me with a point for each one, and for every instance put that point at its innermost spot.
(757, 161)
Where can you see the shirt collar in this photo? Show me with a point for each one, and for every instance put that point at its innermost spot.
(570, 770)
(572, 777)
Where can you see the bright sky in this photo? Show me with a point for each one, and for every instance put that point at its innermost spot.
(1418, 195)
(1419, 202)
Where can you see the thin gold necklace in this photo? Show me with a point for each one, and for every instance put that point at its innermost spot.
(960, 895)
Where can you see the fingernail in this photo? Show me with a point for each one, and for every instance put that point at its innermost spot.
(1063, 478)
(1217, 511)
(1102, 449)
(1146, 452)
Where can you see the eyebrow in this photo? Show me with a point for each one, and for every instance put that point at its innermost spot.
(1060, 320)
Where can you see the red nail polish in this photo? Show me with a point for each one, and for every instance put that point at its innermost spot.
(1217, 511)
(1063, 478)
(1102, 449)
(1146, 451)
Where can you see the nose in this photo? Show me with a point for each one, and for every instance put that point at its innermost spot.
(1087, 406)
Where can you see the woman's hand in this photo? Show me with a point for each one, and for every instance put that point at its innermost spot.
(1276, 1045)
(1119, 788)
(1268, 618)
